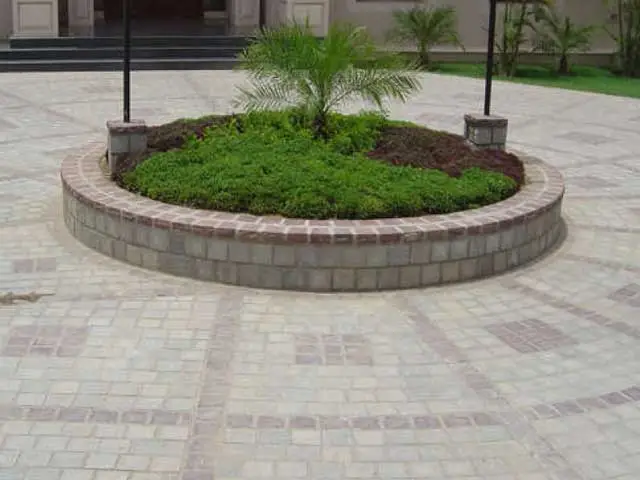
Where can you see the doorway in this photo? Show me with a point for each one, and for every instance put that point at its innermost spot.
(156, 9)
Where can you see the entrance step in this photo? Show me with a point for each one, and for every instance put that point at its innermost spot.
(116, 65)
(105, 53)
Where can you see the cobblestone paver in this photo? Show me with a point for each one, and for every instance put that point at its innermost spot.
(109, 372)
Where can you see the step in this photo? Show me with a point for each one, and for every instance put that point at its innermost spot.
(109, 53)
(112, 65)
(142, 41)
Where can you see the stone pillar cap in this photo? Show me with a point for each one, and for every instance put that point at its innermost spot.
(488, 120)
(134, 126)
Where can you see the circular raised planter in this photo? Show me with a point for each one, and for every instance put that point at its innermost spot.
(312, 255)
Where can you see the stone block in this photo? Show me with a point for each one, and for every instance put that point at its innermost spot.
(440, 251)
(284, 255)
(180, 265)
(141, 235)
(344, 279)
(492, 243)
(420, 253)
(485, 131)
(328, 256)
(126, 231)
(319, 280)
(431, 274)
(195, 246)
(150, 259)
(294, 279)
(388, 278)
(366, 279)
(469, 268)
(239, 252)
(450, 272)
(248, 275)
(177, 242)
(485, 265)
(204, 269)
(261, 254)
(112, 225)
(376, 255)
(308, 256)
(270, 276)
(134, 255)
(159, 239)
(499, 262)
(120, 250)
(226, 272)
(410, 276)
(398, 255)
(520, 233)
(507, 239)
(459, 248)
(355, 256)
(477, 246)
(217, 249)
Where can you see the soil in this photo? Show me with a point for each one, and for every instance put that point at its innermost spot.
(421, 147)
(399, 145)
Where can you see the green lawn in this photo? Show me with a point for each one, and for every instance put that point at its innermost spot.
(587, 79)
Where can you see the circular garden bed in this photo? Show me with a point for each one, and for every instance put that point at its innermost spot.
(265, 200)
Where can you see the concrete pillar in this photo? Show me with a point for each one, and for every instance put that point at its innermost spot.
(486, 131)
(35, 18)
(244, 15)
(81, 19)
(316, 12)
(124, 139)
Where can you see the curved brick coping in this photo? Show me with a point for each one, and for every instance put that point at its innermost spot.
(327, 255)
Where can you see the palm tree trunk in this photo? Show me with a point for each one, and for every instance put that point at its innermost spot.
(563, 66)
(425, 59)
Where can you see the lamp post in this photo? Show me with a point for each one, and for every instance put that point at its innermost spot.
(263, 15)
(126, 64)
(488, 81)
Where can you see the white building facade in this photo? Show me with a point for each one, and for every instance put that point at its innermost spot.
(51, 18)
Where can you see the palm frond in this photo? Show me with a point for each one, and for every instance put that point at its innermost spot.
(289, 66)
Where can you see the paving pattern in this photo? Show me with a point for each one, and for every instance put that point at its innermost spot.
(109, 372)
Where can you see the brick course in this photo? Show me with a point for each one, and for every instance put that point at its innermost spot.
(316, 255)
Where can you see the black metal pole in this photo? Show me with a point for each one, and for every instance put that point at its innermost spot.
(263, 15)
(126, 66)
(490, 47)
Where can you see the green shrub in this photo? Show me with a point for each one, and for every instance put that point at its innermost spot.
(272, 163)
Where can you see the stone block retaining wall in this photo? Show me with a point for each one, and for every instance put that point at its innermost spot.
(295, 254)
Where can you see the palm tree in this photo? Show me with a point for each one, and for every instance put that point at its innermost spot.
(627, 35)
(560, 37)
(289, 66)
(425, 27)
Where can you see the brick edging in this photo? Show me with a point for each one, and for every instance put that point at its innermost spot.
(530, 215)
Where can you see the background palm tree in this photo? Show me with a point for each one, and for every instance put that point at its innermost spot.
(559, 36)
(425, 27)
(289, 66)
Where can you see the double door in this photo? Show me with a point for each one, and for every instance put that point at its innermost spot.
(156, 9)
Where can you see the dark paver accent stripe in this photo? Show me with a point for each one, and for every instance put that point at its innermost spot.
(93, 415)
(584, 313)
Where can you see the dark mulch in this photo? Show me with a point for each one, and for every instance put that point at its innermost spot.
(400, 145)
(421, 147)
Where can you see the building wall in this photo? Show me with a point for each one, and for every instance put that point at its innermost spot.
(472, 17)
(5, 18)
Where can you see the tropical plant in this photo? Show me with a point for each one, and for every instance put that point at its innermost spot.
(516, 20)
(425, 27)
(627, 35)
(559, 36)
(289, 66)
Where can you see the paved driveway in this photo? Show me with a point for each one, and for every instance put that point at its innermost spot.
(121, 373)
